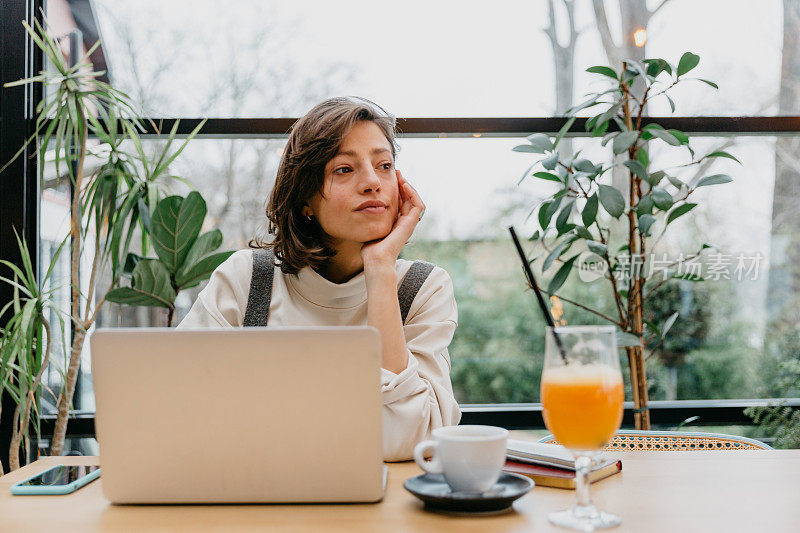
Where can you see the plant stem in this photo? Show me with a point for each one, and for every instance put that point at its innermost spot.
(598, 313)
(16, 439)
(68, 390)
(635, 307)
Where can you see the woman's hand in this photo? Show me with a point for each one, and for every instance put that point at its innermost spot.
(385, 250)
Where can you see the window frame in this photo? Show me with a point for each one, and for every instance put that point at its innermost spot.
(19, 203)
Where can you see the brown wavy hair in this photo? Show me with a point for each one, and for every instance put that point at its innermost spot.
(314, 140)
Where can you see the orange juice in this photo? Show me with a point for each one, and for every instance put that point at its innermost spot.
(582, 404)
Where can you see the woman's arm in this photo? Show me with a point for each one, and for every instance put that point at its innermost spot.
(415, 380)
(383, 313)
(383, 309)
(420, 398)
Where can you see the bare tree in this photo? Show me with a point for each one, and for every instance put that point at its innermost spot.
(784, 272)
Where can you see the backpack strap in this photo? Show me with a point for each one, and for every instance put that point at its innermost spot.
(412, 282)
(258, 300)
(260, 295)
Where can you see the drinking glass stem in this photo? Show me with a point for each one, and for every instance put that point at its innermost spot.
(582, 464)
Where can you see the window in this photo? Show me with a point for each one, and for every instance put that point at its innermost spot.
(259, 60)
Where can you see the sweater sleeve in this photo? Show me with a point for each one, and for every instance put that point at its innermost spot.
(420, 398)
(223, 300)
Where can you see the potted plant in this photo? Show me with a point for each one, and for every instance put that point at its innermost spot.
(119, 202)
(592, 214)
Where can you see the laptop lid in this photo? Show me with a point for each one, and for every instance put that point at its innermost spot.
(239, 415)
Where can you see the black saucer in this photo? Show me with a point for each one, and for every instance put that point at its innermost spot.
(437, 495)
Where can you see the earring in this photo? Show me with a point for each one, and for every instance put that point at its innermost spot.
(310, 218)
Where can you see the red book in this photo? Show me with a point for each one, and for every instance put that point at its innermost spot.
(546, 476)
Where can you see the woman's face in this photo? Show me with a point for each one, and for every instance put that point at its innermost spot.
(362, 171)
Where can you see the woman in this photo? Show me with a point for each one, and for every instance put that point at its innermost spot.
(340, 214)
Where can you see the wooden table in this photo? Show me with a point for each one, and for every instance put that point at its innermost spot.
(751, 491)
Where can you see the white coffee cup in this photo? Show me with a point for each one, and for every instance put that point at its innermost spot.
(470, 457)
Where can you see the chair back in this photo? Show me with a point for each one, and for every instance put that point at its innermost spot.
(675, 441)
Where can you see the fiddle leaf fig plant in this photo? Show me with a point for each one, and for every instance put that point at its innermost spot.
(185, 257)
(618, 221)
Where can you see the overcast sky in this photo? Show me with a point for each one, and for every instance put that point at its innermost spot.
(443, 59)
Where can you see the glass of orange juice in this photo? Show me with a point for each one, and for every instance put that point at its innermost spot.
(582, 396)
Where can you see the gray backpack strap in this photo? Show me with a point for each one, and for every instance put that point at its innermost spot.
(260, 295)
(411, 284)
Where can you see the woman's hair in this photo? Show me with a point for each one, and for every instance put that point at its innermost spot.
(313, 141)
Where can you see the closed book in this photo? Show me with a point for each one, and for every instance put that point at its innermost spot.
(562, 478)
(540, 453)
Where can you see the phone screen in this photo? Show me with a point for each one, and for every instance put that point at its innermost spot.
(60, 475)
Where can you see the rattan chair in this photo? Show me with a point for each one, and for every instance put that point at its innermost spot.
(675, 441)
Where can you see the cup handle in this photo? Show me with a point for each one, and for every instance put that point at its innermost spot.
(435, 465)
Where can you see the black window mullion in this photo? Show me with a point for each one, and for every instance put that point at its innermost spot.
(19, 183)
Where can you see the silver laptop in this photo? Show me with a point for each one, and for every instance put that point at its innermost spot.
(239, 415)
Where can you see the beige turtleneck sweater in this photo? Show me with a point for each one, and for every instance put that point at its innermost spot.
(415, 401)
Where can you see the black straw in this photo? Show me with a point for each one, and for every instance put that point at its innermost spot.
(532, 282)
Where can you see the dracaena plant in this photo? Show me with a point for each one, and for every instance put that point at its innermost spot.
(590, 213)
(185, 257)
(110, 207)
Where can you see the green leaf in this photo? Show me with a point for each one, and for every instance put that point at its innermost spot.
(656, 66)
(687, 62)
(643, 157)
(723, 154)
(584, 165)
(714, 85)
(612, 200)
(625, 340)
(637, 168)
(668, 323)
(540, 141)
(556, 252)
(655, 178)
(546, 176)
(544, 218)
(645, 206)
(563, 217)
(589, 213)
(550, 161)
(527, 148)
(150, 286)
(609, 137)
(597, 248)
(680, 210)
(607, 115)
(715, 179)
(623, 141)
(678, 184)
(130, 263)
(563, 131)
(203, 245)
(535, 236)
(174, 227)
(671, 102)
(561, 276)
(665, 136)
(524, 174)
(678, 134)
(652, 327)
(600, 130)
(583, 233)
(552, 209)
(605, 71)
(661, 198)
(645, 223)
(201, 270)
